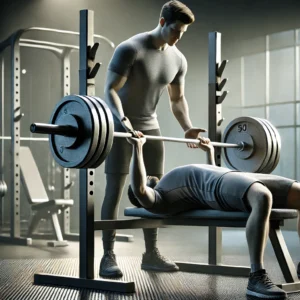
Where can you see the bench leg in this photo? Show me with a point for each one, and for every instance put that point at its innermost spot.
(124, 237)
(213, 269)
(283, 256)
(34, 223)
(64, 220)
(57, 230)
(214, 265)
(214, 245)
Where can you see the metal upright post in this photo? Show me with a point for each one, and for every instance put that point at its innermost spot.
(86, 176)
(66, 178)
(15, 140)
(1, 141)
(15, 233)
(214, 133)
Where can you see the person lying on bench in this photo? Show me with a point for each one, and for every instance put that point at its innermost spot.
(207, 186)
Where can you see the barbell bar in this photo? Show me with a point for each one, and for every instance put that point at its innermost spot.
(240, 145)
(26, 138)
(84, 132)
(66, 130)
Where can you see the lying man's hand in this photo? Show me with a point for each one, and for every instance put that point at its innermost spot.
(128, 127)
(137, 141)
(205, 144)
(193, 133)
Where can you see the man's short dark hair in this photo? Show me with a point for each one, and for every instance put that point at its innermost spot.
(175, 10)
(152, 181)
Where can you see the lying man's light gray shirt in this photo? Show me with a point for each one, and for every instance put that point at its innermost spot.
(188, 187)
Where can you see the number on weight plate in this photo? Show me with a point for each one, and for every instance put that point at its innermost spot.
(242, 127)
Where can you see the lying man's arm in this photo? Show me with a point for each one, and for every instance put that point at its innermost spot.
(138, 177)
(206, 146)
(210, 155)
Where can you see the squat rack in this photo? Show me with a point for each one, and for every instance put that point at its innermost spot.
(63, 52)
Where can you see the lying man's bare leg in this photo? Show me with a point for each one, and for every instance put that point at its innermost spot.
(259, 198)
(294, 203)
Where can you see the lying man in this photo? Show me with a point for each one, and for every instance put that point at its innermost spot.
(202, 186)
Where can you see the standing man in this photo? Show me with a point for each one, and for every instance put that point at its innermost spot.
(139, 71)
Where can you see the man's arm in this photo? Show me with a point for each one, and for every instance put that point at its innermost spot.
(118, 71)
(180, 109)
(114, 82)
(138, 177)
(179, 105)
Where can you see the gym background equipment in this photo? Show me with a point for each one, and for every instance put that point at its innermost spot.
(63, 52)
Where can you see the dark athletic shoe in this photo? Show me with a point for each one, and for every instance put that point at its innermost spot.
(108, 266)
(154, 261)
(260, 286)
(298, 270)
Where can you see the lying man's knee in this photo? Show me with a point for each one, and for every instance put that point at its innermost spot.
(259, 197)
(293, 200)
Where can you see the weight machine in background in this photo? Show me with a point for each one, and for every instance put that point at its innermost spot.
(63, 51)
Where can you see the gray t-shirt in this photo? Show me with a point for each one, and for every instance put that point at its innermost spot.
(188, 187)
(148, 71)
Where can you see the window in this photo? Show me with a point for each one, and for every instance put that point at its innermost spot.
(266, 85)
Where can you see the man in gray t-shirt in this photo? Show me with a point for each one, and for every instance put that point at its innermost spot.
(201, 186)
(141, 68)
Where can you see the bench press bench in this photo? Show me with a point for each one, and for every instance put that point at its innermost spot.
(215, 218)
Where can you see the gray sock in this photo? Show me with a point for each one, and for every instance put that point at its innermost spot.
(256, 267)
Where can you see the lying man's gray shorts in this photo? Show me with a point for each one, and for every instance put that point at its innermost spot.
(118, 160)
(233, 186)
(229, 194)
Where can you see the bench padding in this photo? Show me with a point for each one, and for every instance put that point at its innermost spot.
(59, 203)
(276, 214)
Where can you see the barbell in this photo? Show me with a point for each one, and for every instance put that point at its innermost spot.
(81, 134)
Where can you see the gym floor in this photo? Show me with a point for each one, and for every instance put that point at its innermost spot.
(19, 263)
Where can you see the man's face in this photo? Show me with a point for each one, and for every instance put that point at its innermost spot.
(173, 32)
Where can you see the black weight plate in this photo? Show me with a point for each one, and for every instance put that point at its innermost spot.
(84, 113)
(109, 131)
(96, 127)
(102, 134)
